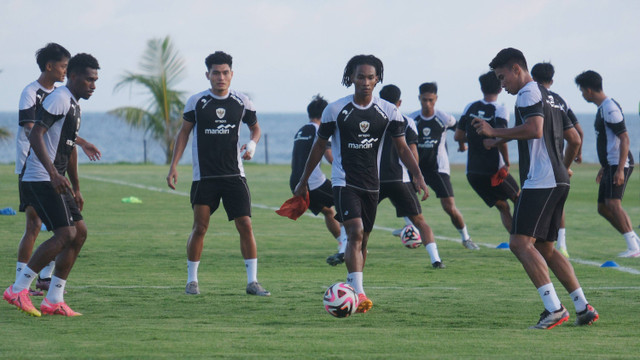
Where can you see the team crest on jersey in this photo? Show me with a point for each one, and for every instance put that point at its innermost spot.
(220, 112)
(364, 126)
(426, 131)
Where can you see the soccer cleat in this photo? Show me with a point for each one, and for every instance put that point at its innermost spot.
(549, 320)
(364, 303)
(35, 292)
(192, 288)
(564, 252)
(43, 284)
(60, 308)
(255, 288)
(630, 254)
(397, 232)
(335, 259)
(21, 300)
(469, 244)
(587, 317)
(438, 265)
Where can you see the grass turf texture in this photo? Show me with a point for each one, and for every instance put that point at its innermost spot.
(129, 281)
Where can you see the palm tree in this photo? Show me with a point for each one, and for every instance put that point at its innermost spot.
(162, 68)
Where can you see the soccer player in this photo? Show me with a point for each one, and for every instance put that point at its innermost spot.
(432, 125)
(214, 116)
(357, 124)
(616, 161)
(542, 73)
(484, 165)
(545, 185)
(52, 61)
(395, 183)
(320, 193)
(56, 199)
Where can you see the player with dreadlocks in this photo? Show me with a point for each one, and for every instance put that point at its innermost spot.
(358, 123)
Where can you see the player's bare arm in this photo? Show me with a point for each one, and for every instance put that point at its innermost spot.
(89, 149)
(531, 129)
(461, 137)
(72, 171)
(408, 159)
(578, 159)
(250, 147)
(181, 143)
(573, 146)
(60, 183)
(317, 151)
(618, 177)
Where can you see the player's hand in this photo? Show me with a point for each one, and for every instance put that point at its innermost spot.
(172, 178)
(60, 183)
(578, 158)
(77, 195)
(599, 176)
(421, 187)
(570, 172)
(489, 143)
(462, 147)
(482, 127)
(301, 189)
(250, 148)
(91, 151)
(618, 177)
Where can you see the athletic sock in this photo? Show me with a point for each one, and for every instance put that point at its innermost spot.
(47, 271)
(549, 297)
(630, 238)
(562, 241)
(432, 249)
(19, 267)
(355, 280)
(24, 280)
(252, 270)
(56, 290)
(464, 233)
(579, 300)
(192, 271)
(407, 221)
(343, 245)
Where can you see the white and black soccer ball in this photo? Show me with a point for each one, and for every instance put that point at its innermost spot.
(410, 237)
(340, 300)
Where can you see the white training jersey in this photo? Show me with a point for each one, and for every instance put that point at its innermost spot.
(609, 124)
(29, 110)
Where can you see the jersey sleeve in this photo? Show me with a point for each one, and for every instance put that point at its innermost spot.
(462, 123)
(190, 109)
(613, 118)
(54, 108)
(411, 132)
(529, 103)
(566, 121)
(27, 107)
(250, 118)
(328, 124)
(572, 116)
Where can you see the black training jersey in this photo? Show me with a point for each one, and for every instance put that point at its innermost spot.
(609, 124)
(432, 140)
(215, 149)
(541, 163)
(30, 109)
(61, 116)
(391, 167)
(302, 144)
(479, 159)
(559, 101)
(357, 134)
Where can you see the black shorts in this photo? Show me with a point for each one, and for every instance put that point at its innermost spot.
(23, 200)
(439, 182)
(481, 183)
(55, 210)
(321, 197)
(538, 212)
(607, 189)
(233, 191)
(352, 203)
(402, 196)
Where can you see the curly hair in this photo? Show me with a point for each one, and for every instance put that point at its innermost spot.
(361, 60)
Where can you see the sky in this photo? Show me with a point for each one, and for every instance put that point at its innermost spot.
(286, 51)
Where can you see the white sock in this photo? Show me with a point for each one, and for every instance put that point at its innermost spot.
(19, 267)
(549, 297)
(355, 280)
(432, 249)
(464, 233)
(24, 280)
(343, 245)
(192, 271)
(562, 241)
(56, 290)
(47, 271)
(252, 270)
(407, 221)
(579, 300)
(630, 238)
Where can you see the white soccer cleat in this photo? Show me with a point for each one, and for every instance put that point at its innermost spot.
(630, 253)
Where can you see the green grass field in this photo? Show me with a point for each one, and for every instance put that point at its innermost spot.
(129, 281)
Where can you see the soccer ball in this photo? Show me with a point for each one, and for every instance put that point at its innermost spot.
(410, 237)
(340, 300)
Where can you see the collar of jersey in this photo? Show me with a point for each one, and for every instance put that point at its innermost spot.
(362, 107)
(219, 97)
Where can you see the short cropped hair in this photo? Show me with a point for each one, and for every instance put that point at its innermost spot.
(361, 60)
(507, 57)
(391, 93)
(590, 80)
(79, 63)
(489, 83)
(316, 107)
(218, 58)
(543, 72)
(51, 52)
(429, 87)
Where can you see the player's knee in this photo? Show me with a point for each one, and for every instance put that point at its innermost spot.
(200, 229)
(65, 235)
(502, 205)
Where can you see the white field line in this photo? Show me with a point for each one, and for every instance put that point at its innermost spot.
(266, 207)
